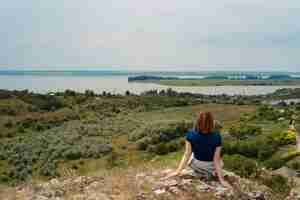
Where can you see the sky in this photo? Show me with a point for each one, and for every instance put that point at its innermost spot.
(150, 35)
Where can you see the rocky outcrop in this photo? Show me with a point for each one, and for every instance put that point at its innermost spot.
(190, 187)
(148, 186)
(79, 188)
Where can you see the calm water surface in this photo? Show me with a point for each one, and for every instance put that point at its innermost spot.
(116, 84)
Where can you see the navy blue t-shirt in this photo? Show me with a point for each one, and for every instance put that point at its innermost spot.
(203, 144)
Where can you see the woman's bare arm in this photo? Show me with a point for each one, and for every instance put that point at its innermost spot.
(218, 167)
(185, 158)
(217, 163)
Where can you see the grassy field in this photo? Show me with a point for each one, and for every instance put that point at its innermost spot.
(126, 155)
(224, 82)
(71, 141)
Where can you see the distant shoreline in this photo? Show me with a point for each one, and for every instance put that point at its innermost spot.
(197, 83)
(119, 84)
(220, 80)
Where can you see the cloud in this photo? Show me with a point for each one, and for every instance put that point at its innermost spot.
(157, 34)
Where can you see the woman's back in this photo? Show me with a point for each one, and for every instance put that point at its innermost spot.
(204, 144)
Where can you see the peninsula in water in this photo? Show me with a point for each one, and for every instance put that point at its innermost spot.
(221, 79)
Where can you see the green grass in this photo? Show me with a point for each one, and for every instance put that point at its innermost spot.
(121, 126)
(3, 166)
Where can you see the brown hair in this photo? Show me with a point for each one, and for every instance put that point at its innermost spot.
(205, 122)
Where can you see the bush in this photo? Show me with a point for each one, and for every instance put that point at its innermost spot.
(112, 160)
(4, 178)
(161, 132)
(174, 146)
(72, 154)
(48, 169)
(266, 112)
(274, 163)
(142, 144)
(277, 183)
(244, 131)
(295, 165)
(244, 148)
(258, 148)
(284, 137)
(9, 124)
(13, 107)
(241, 165)
(160, 149)
(44, 102)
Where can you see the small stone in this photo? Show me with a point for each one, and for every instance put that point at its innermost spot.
(259, 196)
(47, 193)
(186, 182)
(140, 175)
(170, 183)
(59, 193)
(97, 196)
(160, 191)
(174, 190)
(78, 197)
(40, 198)
(203, 187)
(54, 182)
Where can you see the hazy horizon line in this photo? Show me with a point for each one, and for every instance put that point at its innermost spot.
(140, 70)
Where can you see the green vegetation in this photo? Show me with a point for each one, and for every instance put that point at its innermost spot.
(279, 185)
(241, 165)
(43, 136)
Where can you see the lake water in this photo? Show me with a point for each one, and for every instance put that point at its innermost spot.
(116, 84)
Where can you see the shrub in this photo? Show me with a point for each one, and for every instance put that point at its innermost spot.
(258, 148)
(247, 148)
(161, 132)
(284, 137)
(244, 131)
(266, 112)
(142, 144)
(48, 169)
(4, 178)
(21, 129)
(241, 165)
(44, 102)
(295, 165)
(72, 154)
(39, 127)
(165, 148)
(9, 124)
(112, 159)
(160, 149)
(265, 151)
(274, 163)
(13, 107)
(277, 183)
(174, 146)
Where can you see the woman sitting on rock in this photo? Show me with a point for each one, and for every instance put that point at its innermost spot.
(202, 150)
